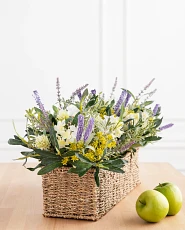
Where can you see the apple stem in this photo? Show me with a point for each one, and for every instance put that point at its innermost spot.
(141, 202)
(160, 185)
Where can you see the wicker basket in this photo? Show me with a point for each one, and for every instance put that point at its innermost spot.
(68, 196)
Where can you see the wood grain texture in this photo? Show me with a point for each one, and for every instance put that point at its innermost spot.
(21, 202)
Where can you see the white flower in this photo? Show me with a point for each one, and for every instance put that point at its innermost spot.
(42, 142)
(60, 126)
(73, 131)
(66, 134)
(145, 116)
(72, 110)
(110, 124)
(62, 143)
(134, 116)
(62, 114)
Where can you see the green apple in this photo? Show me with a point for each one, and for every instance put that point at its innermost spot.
(173, 195)
(152, 206)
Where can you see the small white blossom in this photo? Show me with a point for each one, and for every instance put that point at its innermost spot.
(60, 126)
(66, 134)
(72, 110)
(62, 114)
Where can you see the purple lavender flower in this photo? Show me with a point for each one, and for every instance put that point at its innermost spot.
(127, 146)
(77, 91)
(155, 109)
(93, 92)
(58, 92)
(114, 87)
(39, 103)
(120, 101)
(127, 98)
(79, 95)
(166, 126)
(89, 129)
(80, 127)
(148, 85)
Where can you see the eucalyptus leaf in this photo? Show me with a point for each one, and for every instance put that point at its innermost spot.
(153, 138)
(96, 176)
(146, 103)
(47, 161)
(80, 168)
(16, 142)
(122, 110)
(38, 166)
(158, 122)
(45, 153)
(75, 119)
(49, 168)
(53, 138)
(84, 159)
(69, 153)
(114, 169)
(29, 155)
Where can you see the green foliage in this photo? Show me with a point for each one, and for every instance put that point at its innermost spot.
(109, 129)
(80, 168)
(49, 168)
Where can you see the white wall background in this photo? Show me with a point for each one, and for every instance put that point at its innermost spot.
(93, 41)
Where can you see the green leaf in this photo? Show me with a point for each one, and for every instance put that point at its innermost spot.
(75, 119)
(16, 142)
(146, 103)
(55, 109)
(84, 159)
(37, 110)
(114, 169)
(108, 111)
(22, 139)
(45, 153)
(49, 168)
(53, 138)
(90, 147)
(96, 176)
(16, 137)
(104, 153)
(130, 119)
(33, 169)
(91, 102)
(119, 163)
(112, 103)
(52, 119)
(70, 153)
(146, 133)
(85, 94)
(47, 161)
(29, 155)
(122, 110)
(158, 122)
(153, 138)
(80, 168)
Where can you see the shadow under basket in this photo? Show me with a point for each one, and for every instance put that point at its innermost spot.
(67, 195)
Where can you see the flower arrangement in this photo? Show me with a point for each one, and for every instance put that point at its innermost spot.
(86, 131)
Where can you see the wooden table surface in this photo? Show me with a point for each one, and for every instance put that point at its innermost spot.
(21, 202)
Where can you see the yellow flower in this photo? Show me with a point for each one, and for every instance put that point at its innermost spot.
(102, 112)
(73, 146)
(42, 142)
(80, 145)
(74, 158)
(65, 160)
